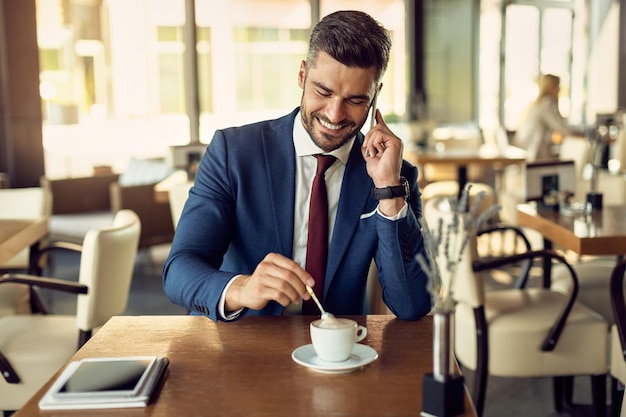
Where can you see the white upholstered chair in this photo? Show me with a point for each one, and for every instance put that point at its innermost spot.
(524, 332)
(20, 203)
(35, 346)
(178, 194)
(439, 189)
(618, 339)
(593, 281)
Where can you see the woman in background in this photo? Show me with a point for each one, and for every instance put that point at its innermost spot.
(542, 121)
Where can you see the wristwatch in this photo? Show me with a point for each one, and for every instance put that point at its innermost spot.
(402, 190)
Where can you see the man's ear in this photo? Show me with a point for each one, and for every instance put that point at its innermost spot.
(302, 74)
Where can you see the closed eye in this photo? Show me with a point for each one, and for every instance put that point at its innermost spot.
(324, 93)
(358, 101)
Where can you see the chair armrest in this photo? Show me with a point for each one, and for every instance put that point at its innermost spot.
(34, 267)
(553, 335)
(617, 302)
(44, 282)
(6, 369)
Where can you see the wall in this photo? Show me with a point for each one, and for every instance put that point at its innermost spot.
(21, 147)
(602, 81)
(450, 54)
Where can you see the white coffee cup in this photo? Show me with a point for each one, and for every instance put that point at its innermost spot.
(334, 340)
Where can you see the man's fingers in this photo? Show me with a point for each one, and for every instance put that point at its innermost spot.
(286, 264)
(284, 277)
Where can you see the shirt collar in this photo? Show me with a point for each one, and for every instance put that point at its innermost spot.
(305, 146)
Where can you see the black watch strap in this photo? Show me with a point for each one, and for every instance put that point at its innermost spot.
(401, 190)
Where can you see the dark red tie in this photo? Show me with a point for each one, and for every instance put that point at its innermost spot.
(317, 242)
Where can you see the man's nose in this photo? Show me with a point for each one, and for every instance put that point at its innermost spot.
(336, 110)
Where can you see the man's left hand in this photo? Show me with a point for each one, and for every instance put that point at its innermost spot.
(382, 151)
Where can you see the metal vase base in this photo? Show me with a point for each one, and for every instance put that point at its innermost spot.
(443, 398)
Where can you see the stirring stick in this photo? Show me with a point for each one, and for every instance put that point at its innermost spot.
(319, 305)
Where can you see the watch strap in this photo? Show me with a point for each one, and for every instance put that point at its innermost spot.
(384, 193)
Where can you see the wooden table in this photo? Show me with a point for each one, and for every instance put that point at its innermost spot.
(17, 234)
(601, 232)
(486, 155)
(245, 368)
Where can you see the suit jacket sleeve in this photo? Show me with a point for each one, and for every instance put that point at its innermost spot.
(191, 275)
(403, 283)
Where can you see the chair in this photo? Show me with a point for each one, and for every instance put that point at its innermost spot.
(494, 239)
(497, 241)
(618, 339)
(451, 189)
(134, 190)
(23, 203)
(156, 227)
(79, 204)
(374, 292)
(35, 346)
(178, 195)
(524, 332)
(593, 283)
(20, 203)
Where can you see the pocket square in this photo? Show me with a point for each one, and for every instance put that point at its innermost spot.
(366, 215)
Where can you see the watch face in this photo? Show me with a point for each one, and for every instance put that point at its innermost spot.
(407, 189)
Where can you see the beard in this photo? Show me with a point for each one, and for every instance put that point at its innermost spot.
(325, 141)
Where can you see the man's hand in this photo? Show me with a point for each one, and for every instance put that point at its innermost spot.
(382, 151)
(276, 278)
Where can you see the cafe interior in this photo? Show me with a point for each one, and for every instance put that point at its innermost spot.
(108, 106)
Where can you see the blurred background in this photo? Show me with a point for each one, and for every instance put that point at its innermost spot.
(89, 83)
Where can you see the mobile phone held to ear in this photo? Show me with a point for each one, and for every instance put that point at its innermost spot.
(373, 119)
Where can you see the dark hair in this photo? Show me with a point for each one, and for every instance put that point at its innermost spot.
(353, 38)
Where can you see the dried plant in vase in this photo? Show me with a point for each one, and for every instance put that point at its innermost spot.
(446, 243)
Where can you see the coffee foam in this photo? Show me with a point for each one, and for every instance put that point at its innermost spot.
(332, 322)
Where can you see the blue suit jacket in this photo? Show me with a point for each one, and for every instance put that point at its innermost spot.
(241, 208)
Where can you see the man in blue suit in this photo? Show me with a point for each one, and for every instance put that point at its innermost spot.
(241, 241)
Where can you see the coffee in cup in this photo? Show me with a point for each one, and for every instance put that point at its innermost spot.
(334, 339)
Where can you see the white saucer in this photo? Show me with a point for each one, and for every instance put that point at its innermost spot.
(361, 356)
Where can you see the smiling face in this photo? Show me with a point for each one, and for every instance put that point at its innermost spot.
(335, 100)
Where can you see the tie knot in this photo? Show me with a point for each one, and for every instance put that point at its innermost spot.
(323, 163)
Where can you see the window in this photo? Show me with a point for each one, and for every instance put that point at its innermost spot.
(113, 78)
(533, 38)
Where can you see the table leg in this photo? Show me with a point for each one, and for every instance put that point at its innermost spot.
(547, 265)
(33, 258)
(461, 177)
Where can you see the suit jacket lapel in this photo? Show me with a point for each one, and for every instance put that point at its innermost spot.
(355, 189)
(280, 157)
